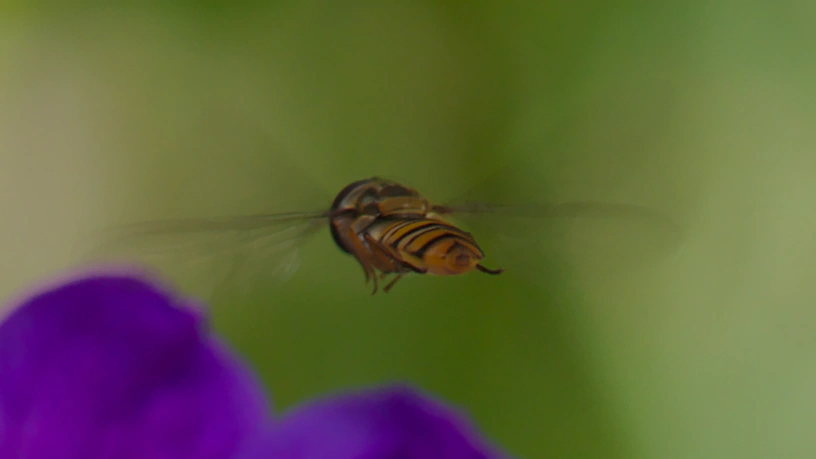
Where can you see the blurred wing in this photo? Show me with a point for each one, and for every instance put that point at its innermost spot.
(206, 254)
(584, 234)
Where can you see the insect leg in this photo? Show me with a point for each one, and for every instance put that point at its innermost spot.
(359, 247)
(391, 284)
(376, 283)
(489, 271)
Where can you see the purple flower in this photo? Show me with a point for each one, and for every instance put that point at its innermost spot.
(396, 422)
(113, 366)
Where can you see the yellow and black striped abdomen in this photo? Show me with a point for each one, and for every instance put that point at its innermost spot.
(428, 245)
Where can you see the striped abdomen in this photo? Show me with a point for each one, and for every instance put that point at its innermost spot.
(428, 245)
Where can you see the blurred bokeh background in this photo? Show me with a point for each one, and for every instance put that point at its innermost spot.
(704, 110)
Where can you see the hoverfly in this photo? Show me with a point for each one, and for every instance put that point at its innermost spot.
(389, 228)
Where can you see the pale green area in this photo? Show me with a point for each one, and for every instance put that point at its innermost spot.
(701, 109)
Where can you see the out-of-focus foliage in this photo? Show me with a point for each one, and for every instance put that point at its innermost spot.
(701, 109)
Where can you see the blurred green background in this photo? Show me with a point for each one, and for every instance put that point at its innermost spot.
(704, 110)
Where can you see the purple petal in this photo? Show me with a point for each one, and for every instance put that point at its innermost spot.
(112, 366)
(393, 422)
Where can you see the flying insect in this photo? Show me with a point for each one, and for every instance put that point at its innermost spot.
(389, 228)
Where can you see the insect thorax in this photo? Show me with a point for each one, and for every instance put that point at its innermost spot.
(363, 202)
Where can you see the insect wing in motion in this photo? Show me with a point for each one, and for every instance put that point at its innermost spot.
(585, 234)
(390, 229)
(203, 254)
